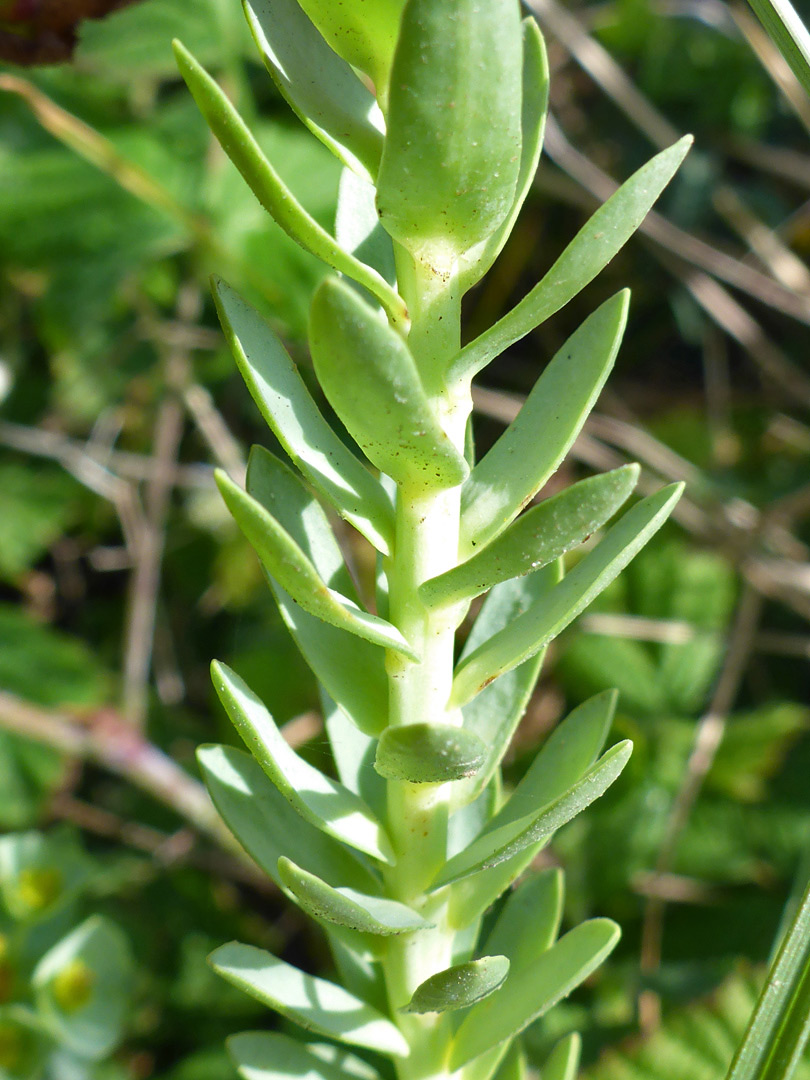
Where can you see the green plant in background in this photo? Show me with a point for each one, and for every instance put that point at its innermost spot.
(401, 857)
(64, 992)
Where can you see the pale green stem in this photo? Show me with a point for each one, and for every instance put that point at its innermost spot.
(426, 544)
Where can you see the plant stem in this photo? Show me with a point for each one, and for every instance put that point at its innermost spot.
(426, 544)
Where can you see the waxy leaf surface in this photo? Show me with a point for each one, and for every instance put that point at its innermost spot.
(347, 907)
(475, 263)
(531, 992)
(269, 1055)
(334, 655)
(569, 751)
(536, 538)
(287, 564)
(287, 406)
(371, 381)
(537, 440)
(550, 615)
(364, 34)
(315, 1004)
(358, 228)
(268, 828)
(325, 803)
(452, 154)
(239, 144)
(529, 920)
(428, 753)
(318, 84)
(563, 1061)
(505, 841)
(494, 714)
(590, 251)
(459, 986)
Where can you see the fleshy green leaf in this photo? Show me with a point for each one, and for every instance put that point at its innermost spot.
(371, 381)
(334, 655)
(476, 262)
(269, 1055)
(287, 406)
(460, 986)
(513, 1066)
(266, 825)
(82, 987)
(320, 86)
(353, 752)
(590, 251)
(547, 617)
(530, 993)
(358, 228)
(494, 714)
(428, 753)
(537, 440)
(363, 34)
(569, 751)
(324, 803)
(780, 1025)
(287, 564)
(563, 1061)
(315, 1004)
(452, 153)
(503, 842)
(347, 907)
(239, 144)
(530, 920)
(536, 538)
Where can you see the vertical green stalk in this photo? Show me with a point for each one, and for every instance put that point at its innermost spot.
(426, 545)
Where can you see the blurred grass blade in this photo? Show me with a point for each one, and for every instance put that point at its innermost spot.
(381, 401)
(532, 992)
(318, 84)
(475, 263)
(590, 251)
(539, 437)
(780, 1026)
(269, 1055)
(315, 1004)
(239, 144)
(347, 907)
(324, 802)
(290, 411)
(789, 34)
(547, 617)
(284, 561)
(536, 538)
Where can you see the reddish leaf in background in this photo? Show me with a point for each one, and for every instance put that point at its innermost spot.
(44, 31)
